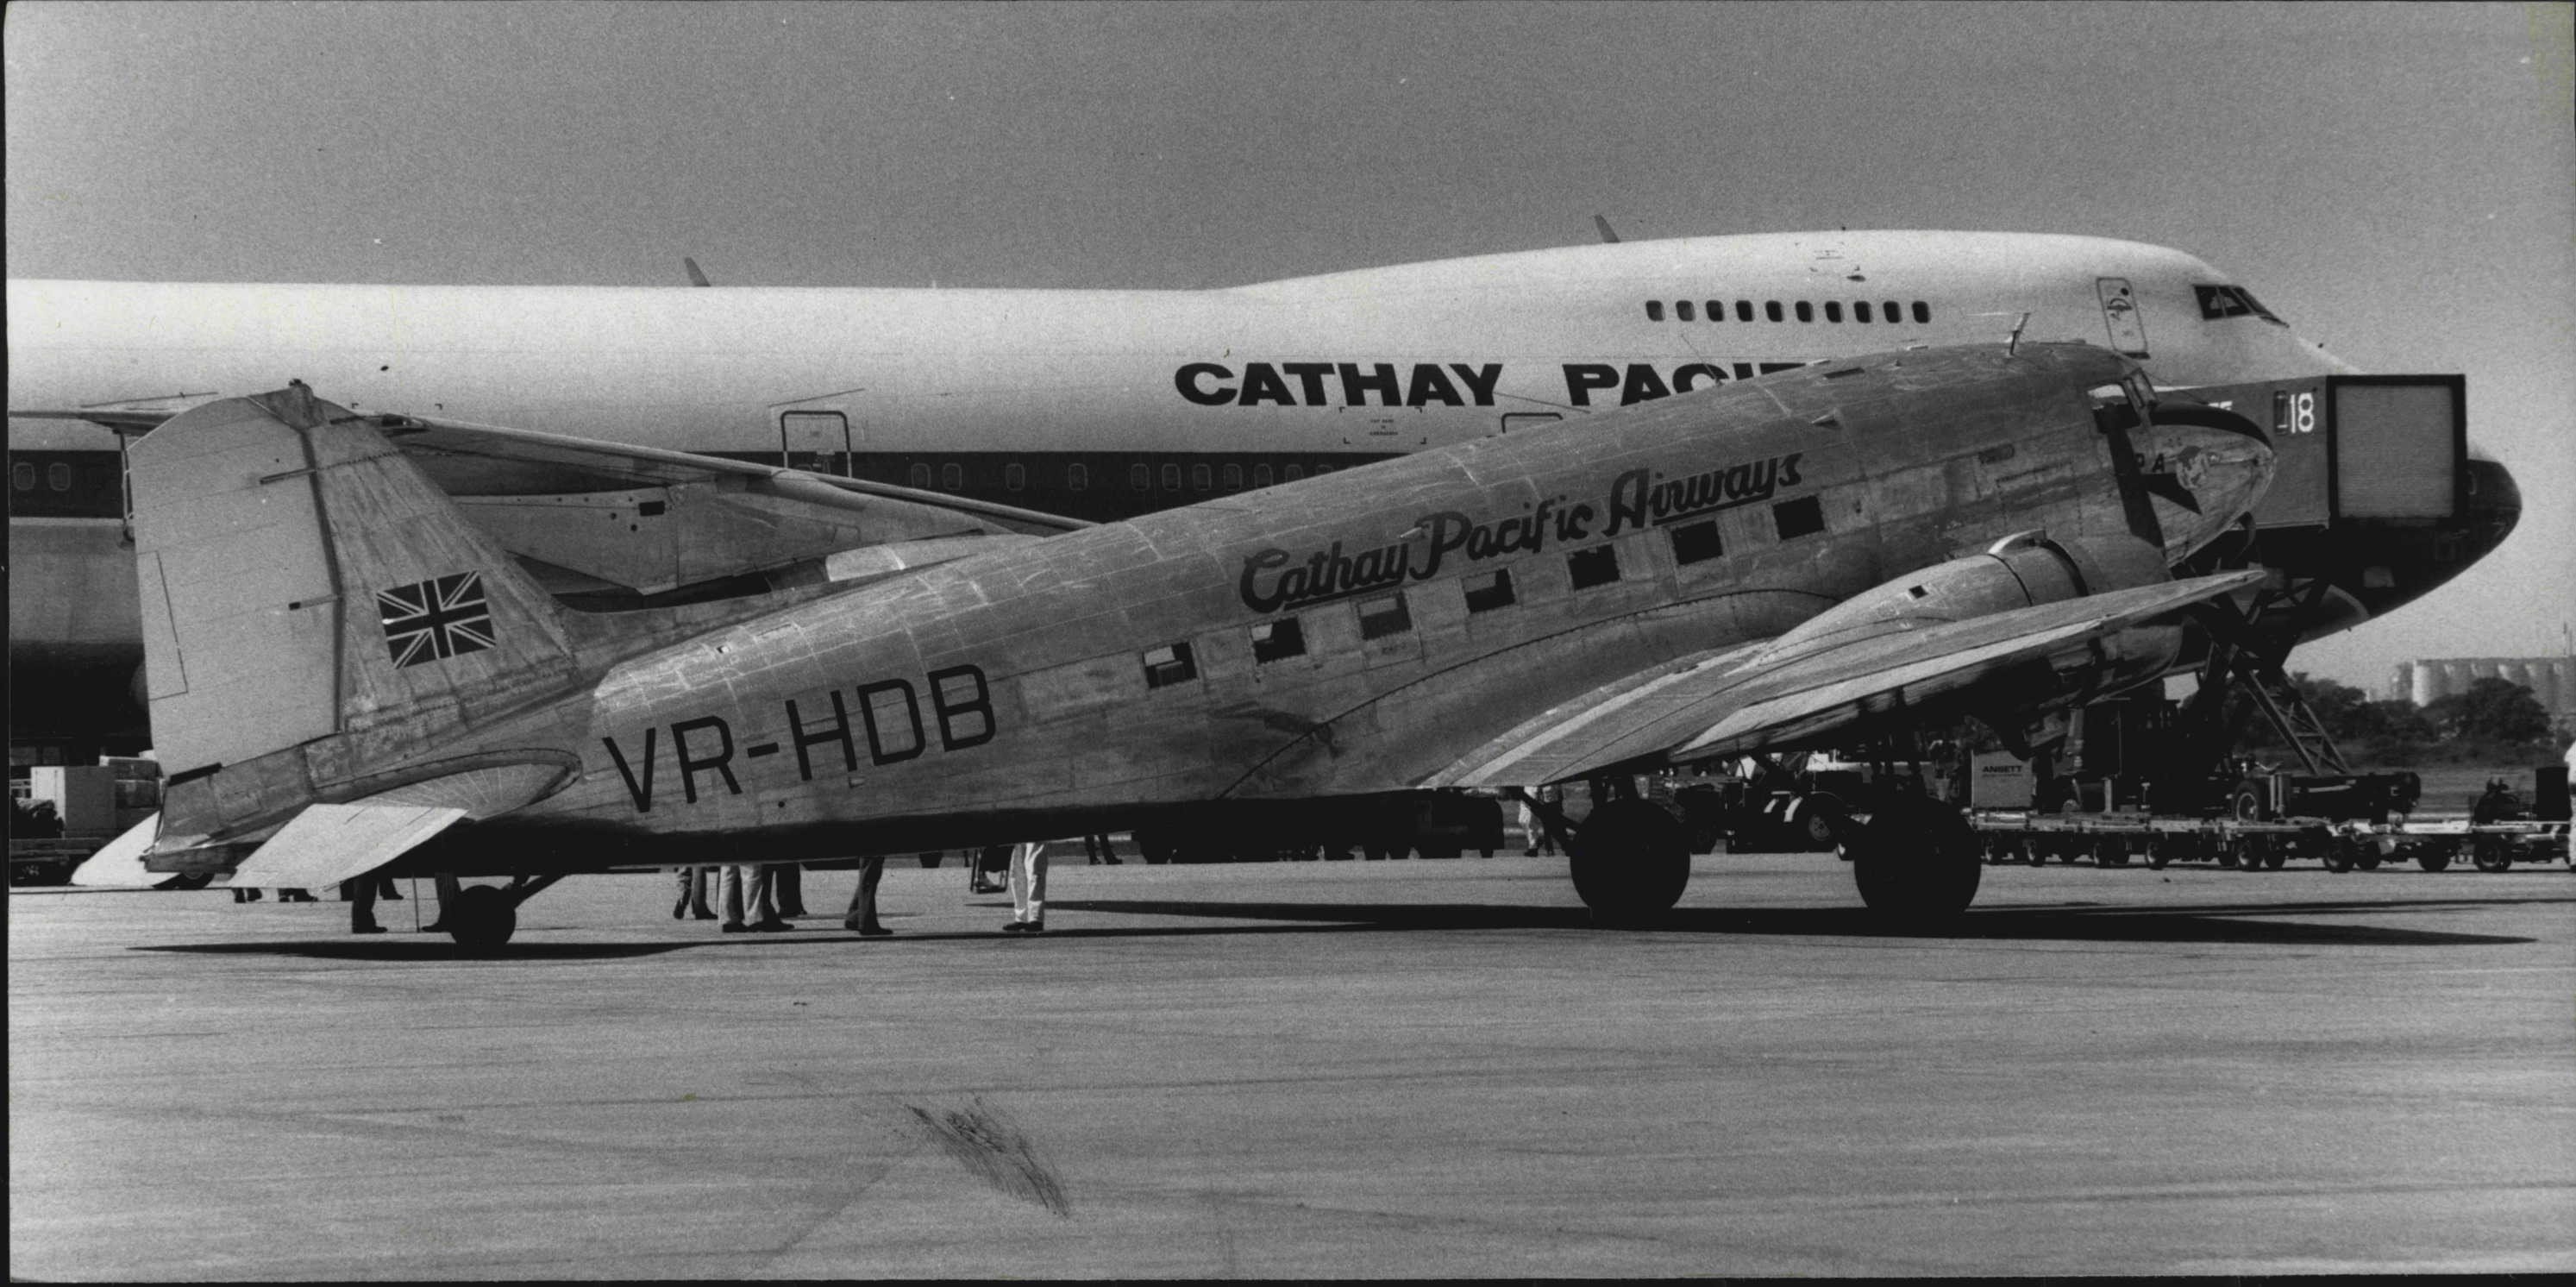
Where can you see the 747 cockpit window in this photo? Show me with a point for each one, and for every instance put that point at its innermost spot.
(2232, 301)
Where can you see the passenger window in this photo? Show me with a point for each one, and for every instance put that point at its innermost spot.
(1384, 616)
(1171, 478)
(1833, 310)
(1804, 516)
(1806, 311)
(1261, 475)
(952, 477)
(1199, 476)
(1015, 477)
(1771, 309)
(1296, 472)
(1234, 478)
(1168, 665)
(1744, 310)
(1922, 313)
(1278, 640)
(1488, 592)
(1140, 478)
(1076, 478)
(1654, 310)
(1696, 543)
(1860, 310)
(1717, 310)
(1596, 566)
(919, 477)
(1682, 311)
(22, 476)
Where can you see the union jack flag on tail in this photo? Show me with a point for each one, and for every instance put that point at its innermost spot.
(437, 619)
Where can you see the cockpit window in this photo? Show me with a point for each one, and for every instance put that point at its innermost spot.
(2232, 301)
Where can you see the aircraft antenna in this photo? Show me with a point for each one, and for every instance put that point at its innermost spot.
(2013, 344)
(696, 278)
(1608, 237)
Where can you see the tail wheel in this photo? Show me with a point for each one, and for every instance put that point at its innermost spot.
(1916, 861)
(1630, 860)
(484, 917)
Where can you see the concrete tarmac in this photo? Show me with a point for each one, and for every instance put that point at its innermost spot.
(1320, 1069)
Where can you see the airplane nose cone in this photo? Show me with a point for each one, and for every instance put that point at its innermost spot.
(2204, 468)
(2493, 495)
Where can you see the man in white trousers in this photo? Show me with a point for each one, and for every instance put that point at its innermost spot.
(1028, 890)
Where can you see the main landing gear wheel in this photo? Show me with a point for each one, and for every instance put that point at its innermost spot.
(1630, 860)
(1916, 862)
(484, 917)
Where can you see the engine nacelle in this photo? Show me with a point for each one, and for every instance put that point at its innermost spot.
(2024, 570)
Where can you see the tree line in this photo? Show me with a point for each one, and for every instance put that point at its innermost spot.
(2492, 721)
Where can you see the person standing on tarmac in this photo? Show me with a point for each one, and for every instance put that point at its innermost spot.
(361, 893)
(747, 894)
(693, 894)
(862, 916)
(1028, 889)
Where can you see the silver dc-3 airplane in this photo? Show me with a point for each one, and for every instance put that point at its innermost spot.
(1106, 404)
(348, 676)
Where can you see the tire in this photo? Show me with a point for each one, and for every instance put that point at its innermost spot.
(2339, 856)
(2433, 858)
(1630, 860)
(1916, 863)
(483, 918)
(2493, 856)
(2276, 859)
(2367, 859)
(2159, 855)
(2248, 805)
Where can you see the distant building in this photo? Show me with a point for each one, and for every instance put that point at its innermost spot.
(2551, 679)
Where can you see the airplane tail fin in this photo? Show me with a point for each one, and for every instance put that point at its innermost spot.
(304, 587)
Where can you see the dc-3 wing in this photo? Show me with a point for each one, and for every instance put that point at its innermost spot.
(1762, 696)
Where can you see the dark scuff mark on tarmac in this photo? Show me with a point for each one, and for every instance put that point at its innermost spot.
(988, 1143)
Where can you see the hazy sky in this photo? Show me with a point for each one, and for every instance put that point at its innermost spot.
(2397, 181)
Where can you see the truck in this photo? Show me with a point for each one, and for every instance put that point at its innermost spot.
(64, 813)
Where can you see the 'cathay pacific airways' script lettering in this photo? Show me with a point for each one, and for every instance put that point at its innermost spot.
(1275, 579)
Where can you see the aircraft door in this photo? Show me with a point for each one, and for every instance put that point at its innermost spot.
(815, 441)
(2120, 313)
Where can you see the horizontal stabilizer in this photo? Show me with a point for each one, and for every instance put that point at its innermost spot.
(120, 864)
(330, 843)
